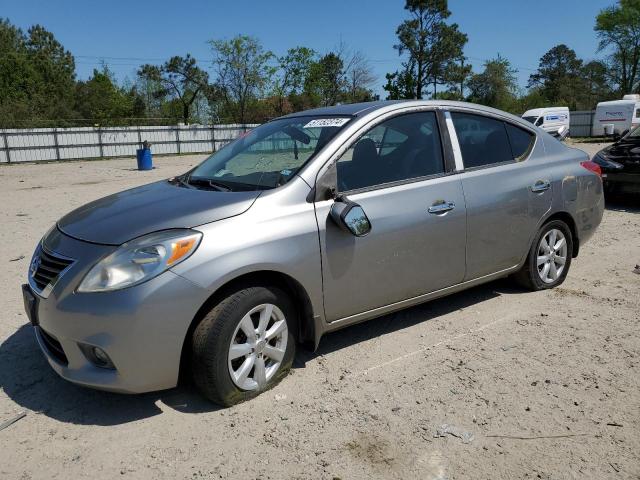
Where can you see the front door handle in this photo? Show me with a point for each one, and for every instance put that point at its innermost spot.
(541, 186)
(441, 207)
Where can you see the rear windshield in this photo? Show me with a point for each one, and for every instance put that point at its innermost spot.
(268, 156)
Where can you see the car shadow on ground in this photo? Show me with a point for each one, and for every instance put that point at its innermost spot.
(406, 318)
(27, 378)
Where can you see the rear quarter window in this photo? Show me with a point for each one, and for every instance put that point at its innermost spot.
(521, 141)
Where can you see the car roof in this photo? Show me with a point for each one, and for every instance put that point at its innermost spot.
(361, 109)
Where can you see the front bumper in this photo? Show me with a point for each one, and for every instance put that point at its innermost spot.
(141, 328)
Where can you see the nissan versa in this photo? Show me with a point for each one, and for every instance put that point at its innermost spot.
(307, 224)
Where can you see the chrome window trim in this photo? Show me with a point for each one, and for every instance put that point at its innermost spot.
(455, 144)
(495, 116)
(372, 122)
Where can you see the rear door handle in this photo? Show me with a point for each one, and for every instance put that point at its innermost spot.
(441, 207)
(541, 186)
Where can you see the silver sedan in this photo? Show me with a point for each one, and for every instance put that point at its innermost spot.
(306, 224)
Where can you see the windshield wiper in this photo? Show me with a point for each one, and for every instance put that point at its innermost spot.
(208, 182)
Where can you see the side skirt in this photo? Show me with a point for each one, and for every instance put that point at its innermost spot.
(377, 312)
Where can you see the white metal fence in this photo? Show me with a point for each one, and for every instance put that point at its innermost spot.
(581, 123)
(46, 144)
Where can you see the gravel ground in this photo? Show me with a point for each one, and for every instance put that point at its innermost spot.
(490, 383)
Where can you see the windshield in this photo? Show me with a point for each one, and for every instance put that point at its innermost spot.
(530, 119)
(266, 157)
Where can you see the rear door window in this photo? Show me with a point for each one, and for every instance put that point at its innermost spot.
(483, 140)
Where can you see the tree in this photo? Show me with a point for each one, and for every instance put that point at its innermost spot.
(37, 76)
(294, 69)
(244, 72)
(102, 100)
(618, 29)
(432, 45)
(401, 84)
(178, 79)
(559, 77)
(326, 80)
(496, 86)
(597, 85)
(458, 74)
(359, 77)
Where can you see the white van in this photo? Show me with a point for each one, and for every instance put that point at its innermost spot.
(549, 119)
(616, 117)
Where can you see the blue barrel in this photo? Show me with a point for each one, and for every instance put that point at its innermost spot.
(143, 156)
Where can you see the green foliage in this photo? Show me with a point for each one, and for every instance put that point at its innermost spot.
(326, 80)
(294, 68)
(496, 86)
(433, 47)
(245, 70)
(37, 76)
(179, 81)
(618, 29)
(101, 99)
(560, 77)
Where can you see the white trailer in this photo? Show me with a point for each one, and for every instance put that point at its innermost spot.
(616, 117)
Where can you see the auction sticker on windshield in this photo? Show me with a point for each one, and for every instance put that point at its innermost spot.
(326, 122)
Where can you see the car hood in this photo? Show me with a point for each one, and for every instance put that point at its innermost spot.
(123, 216)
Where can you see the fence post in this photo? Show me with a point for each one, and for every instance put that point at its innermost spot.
(178, 138)
(55, 142)
(592, 116)
(213, 137)
(100, 141)
(6, 146)
(139, 137)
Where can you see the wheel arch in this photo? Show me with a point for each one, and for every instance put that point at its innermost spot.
(305, 329)
(571, 223)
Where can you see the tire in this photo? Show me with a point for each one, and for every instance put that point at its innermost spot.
(212, 339)
(531, 276)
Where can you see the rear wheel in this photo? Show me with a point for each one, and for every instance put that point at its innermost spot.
(549, 258)
(244, 345)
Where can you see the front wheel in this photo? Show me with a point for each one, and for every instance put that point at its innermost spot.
(549, 258)
(244, 345)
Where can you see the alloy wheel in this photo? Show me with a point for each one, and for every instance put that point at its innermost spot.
(552, 255)
(258, 347)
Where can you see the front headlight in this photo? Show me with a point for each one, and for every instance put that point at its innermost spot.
(140, 260)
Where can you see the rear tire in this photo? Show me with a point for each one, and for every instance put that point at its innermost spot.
(549, 258)
(221, 335)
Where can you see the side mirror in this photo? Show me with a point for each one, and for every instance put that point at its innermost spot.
(563, 133)
(350, 217)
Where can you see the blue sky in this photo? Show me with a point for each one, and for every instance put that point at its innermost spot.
(126, 34)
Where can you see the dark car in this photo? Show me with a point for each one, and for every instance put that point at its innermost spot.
(620, 164)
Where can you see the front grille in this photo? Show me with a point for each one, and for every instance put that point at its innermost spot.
(46, 268)
(53, 346)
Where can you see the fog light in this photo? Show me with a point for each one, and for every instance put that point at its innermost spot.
(97, 356)
(101, 356)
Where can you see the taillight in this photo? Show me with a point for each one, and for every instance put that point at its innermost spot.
(592, 167)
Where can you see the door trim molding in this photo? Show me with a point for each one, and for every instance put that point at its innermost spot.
(392, 307)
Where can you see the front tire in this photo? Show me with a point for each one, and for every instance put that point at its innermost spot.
(244, 345)
(549, 258)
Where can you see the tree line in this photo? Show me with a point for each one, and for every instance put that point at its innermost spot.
(243, 82)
